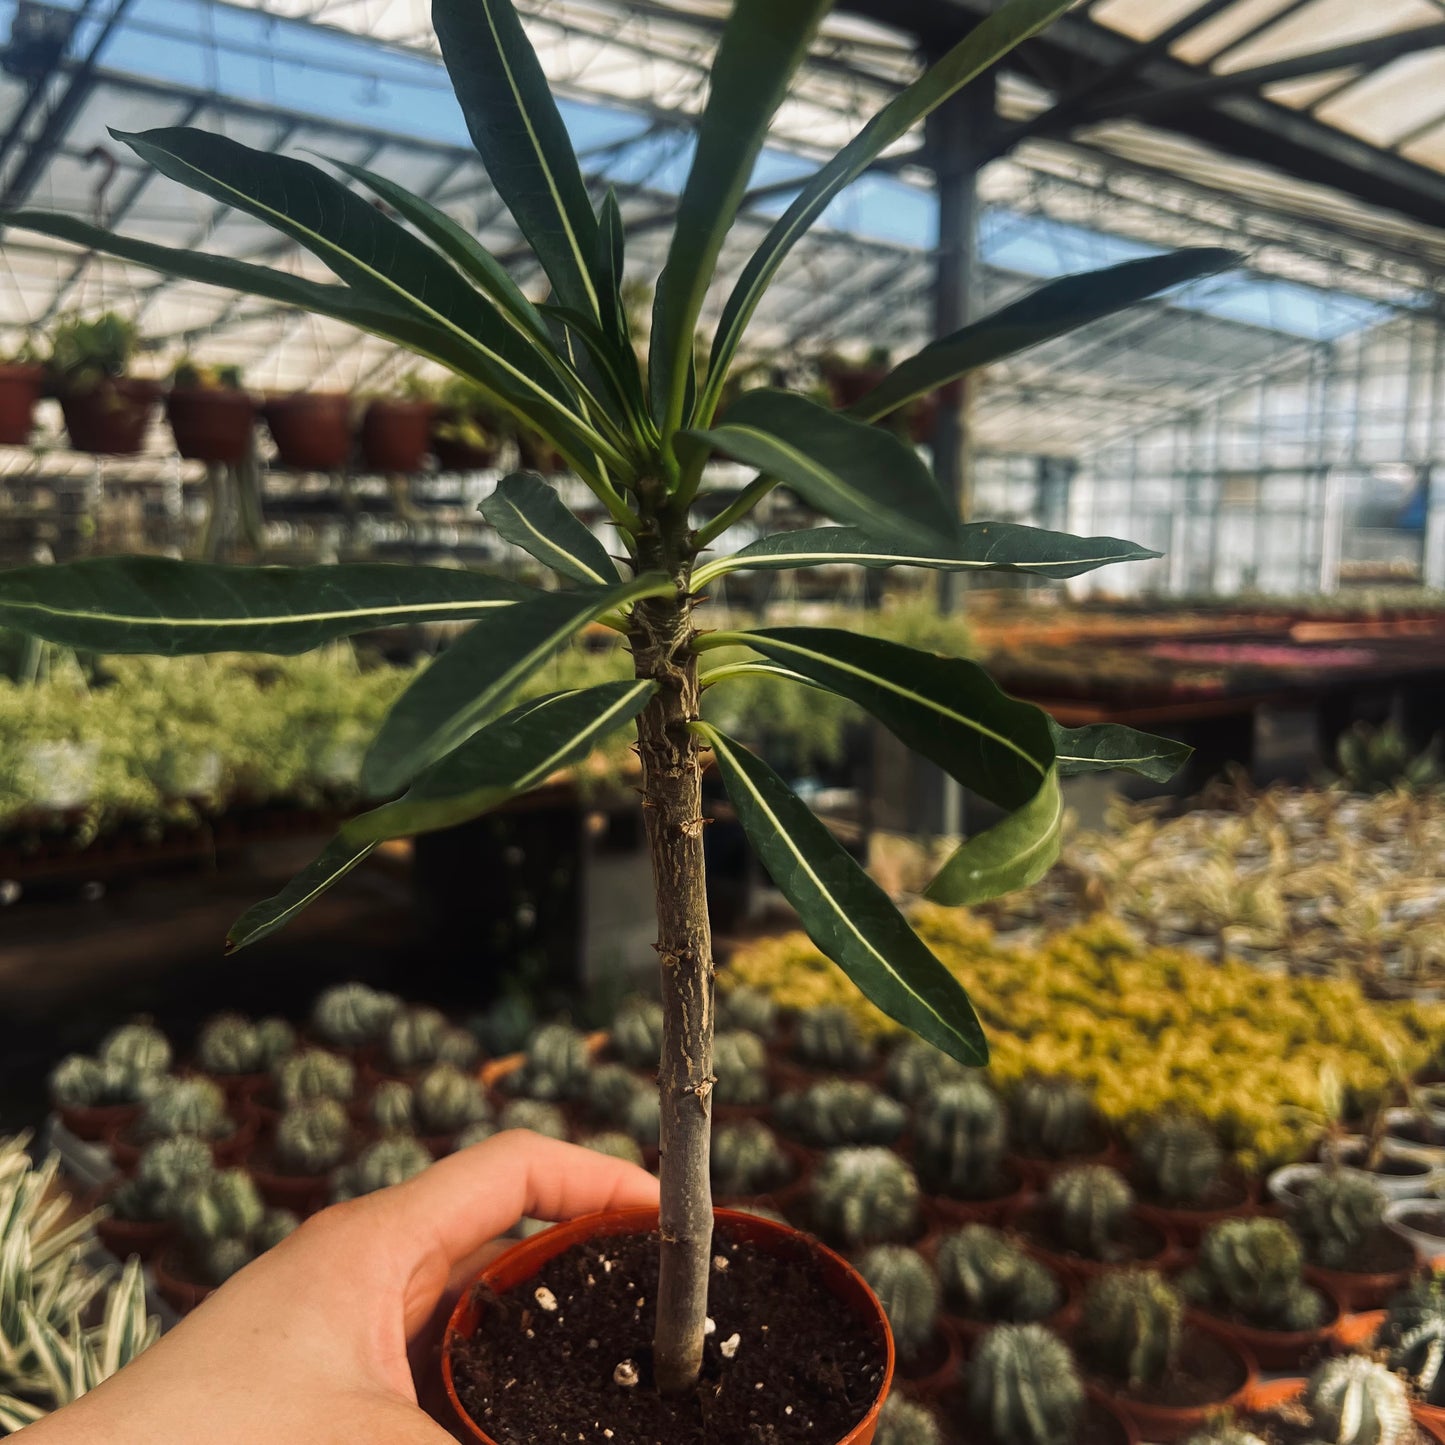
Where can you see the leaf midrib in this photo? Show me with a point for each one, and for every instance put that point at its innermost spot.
(265, 620)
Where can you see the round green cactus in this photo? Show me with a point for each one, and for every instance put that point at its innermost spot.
(637, 1033)
(1089, 1207)
(1353, 1400)
(557, 1066)
(1052, 1119)
(536, 1115)
(614, 1144)
(414, 1038)
(314, 1074)
(747, 1159)
(218, 1259)
(507, 1025)
(165, 1170)
(186, 1106)
(1178, 1160)
(916, 1070)
(223, 1205)
(909, 1292)
(749, 1009)
(445, 1100)
(231, 1044)
(740, 1067)
(475, 1133)
(276, 1225)
(351, 1014)
(1131, 1326)
(986, 1276)
(79, 1082)
(609, 1093)
(865, 1196)
(960, 1134)
(275, 1038)
(1414, 1334)
(901, 1422)
(835, 1112)
(644, 1118)
(312, 1138)
(828, 1038)
(392, 1108)
(1024, 1387)
(1336, 1216)
(1253, 1268)
(379, 1166)
(138, 1050)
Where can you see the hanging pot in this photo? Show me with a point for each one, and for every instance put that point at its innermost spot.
(21, 386)
(395, 435)
(311, 429)
(211, 424)
(110, 418)
(452, 453)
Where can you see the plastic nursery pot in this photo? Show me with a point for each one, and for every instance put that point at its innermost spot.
(524, 1260)
(1366, 1291)
(1421, 1224)
(125, 1237)
(178, 1290)
(96, 1123)
(110, 419)
(1275, 1349)
(21, 386)
(211, 423)
(396, 435)
(311, 429)
(1189, 1226)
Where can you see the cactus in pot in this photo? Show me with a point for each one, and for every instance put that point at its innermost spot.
(986, 1276)
(915, 1069)
(610, 1092)
(1024, 1387)
(749, 1009)
(1088, 1208)
(392, 1108)
(828, 1039)
(138, 1050)
(163, 1173)
(445, 1101)
(747, 1159)
(1414, 1335)
(418, 1037)
(352, 1015)
(614, 1144)
(637, 1033)
(909, 1292)
(644, 1119)
(314, 1074)
(865, 1196)
(960, 1133)
(901, 1422)
(312, 1137)
(1353, 1400)
(1253, 1269)
(1336, 1216)
(1131, 1326)
(1053, 1119)
(739, 1065)
(230, 1044)
(835, 1112)
(379, 1166)
(536, 1115)
(1177, 1160)
(557, 1065)
(226, 1225)
(476, 1133)
(193, 1106)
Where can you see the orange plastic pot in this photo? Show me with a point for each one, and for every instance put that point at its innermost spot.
(211, 424)
(524, 1260)
(395, 435)
(21, 387)
(311, 429)
(1275, 1349)
(110, 419)
(1270, 1394)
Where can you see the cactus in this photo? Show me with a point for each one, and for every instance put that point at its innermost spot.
(829, 1039)
(960, 1136)
(900, 1422)
(275, 1038)
(916, 1069)
(380, 1165)
(232, 1044)
(186, 1106)
(1253, 1268)
(222, 1205)
(1089, 1207)
(476, 1133)
(644, 1118)
(557, 1065)
(1131, 1326)
(351, 1014)
(739, 1066)
(392, 1108)
(218, 1259)
(1336, 1216)
(908, 1291)
(138, 1050)
(865, 1196)
(314, 1074)
(507, 1025)
(749, 1009)
(1024, 1387)
(165, 1170)
(312, 1138)
(618, 1146)
(637, 1033)
(459, 1047)
(276, 1225)
(534, 1114)
(1414, 1334)
(1224, 1433)
(414, 1038)
(1178, 1160)
(747, 1159)
(1052, 1119)
(986, 1276)
(80, 1082)
(610, 1090)
(1355, 1401)
(445, 1100)
(835, 1112)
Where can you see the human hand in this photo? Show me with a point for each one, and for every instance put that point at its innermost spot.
(316, 1341)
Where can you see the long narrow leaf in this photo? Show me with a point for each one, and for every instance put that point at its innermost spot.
(1012, 854)
(846, 469)
(1108, 747)
(850, 918)
(980, 547)
(155, 604)
(518, 132)
(530, 514)
(986, 44)
(762, 46)
(468, 685)
(506, 758)
(1051, 311)
(262, 919)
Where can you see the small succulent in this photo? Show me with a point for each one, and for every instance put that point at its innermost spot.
(351, 1014)
(1414, 1334)
(901, 1422)
(1089, 1207)
(644, 1118)
(961, 1132)
(1336, 1215)
(835, 1112)
(534, 1114)
(222, 1205)
(1052, 1119)
(637, 1033)
(747, 1159)
(986, 1276)
(194, 1106)
(1353, 1400)
(618, 1146)
(165, 1170)
(418, 1037)
(507, 1025)
(1131, 1326)
(1253, 1268)
(81, 1082)
(1178, 1160)
(231, 1044)
(392, 1108)
(739, 1066)
(445, 1100)
(909, 1292)
(1024, 1387)
(749, 1009)
(380, 1165)
(139, 1050)
(916, 1069)
(557, 1065)
(609, 1093)
(475, 1133)
(314, 1074)
(865, 1196)
(313, 1137)
(828, 1038)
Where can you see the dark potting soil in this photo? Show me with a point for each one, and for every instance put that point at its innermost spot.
(1225, 1192)
(1289, 1424)
(1139, 1241)
(1206, 1374)
(802, 1371)
(1382, 1253)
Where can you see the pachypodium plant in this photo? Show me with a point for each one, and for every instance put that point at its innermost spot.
(1131, 1326)
(960, 1135)
(1336, 1215)
(835, 1112)
(1357, 1401)
(1024, 1387)
(638, 432)
(1088, 1208)
(1414, 1335)
(908, 1290)
(987, 1276)
(1177, 1160)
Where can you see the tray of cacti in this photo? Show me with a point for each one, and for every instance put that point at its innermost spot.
(211, 413)
(95, 1096)
(1348, 1399)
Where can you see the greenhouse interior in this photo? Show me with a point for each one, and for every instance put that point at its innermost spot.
(755, 689)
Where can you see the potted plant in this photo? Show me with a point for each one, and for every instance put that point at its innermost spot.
(1053, 1125)
(106, 411)
(193, 1106)
(641, 447)
(989, 1279)
(294, 1159)
(396, 430)
(352, 1019)
(908, 1290)
(240, 1055)
(960, 1138)
(1413, 1337)
(1178, 1172)
(95, 1096)
(311, 429)
(140, 1212)
(211, 413)
(467, 432)
(1340, 1218)
(1085, 1222)
(22, 384)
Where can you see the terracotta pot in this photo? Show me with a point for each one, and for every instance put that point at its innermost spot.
(125, 1237)
(311, 429)
(304, 1195)
(179, 1291)
(454, 455)
(521, 1263)
(110, 419)
(125, 1148)
(1274, 1349)
(395, 435)
(96, 1123)
(21, 386)
(210, 423)
(1355, 1334)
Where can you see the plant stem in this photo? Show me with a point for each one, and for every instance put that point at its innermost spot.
(662, 636)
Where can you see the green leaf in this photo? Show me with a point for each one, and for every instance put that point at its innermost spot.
(845, 468)
(519, 134)
(611, 267)
(762, 46)
(1051, 311)
(263, 919)
(530, 514)
(154, 604)
(468, 684)
(849, 917)
(980, 547)
(1012, 854)
(986, 44)
(614, 360)
(508, 757)
(1106, 747)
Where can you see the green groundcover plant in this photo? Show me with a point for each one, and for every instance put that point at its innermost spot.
(638, 434)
